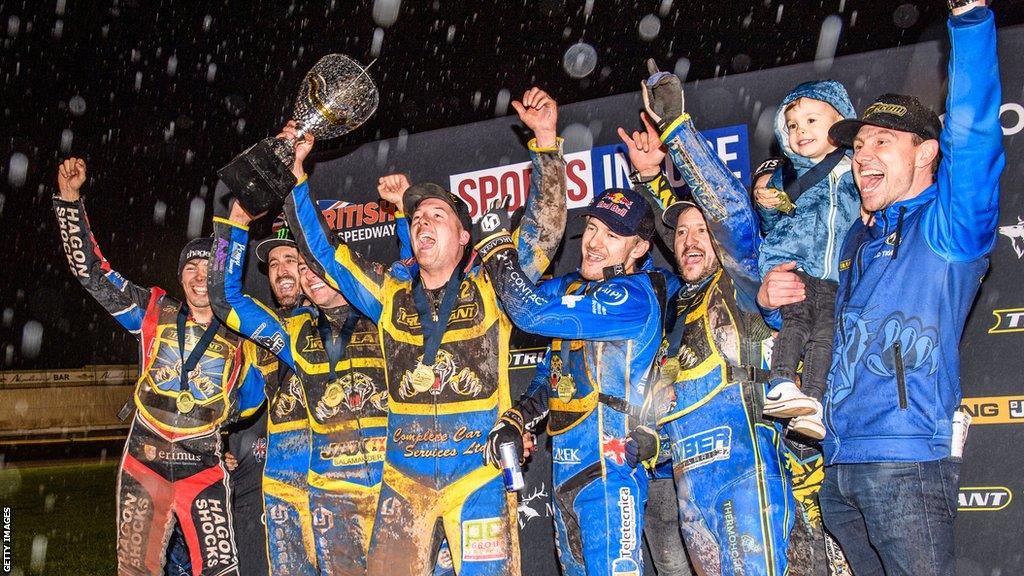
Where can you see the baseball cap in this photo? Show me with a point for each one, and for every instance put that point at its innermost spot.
(671, 215)
(624, 211)
(281, 236)
(196, 249)
(417, 193)
(894, 111)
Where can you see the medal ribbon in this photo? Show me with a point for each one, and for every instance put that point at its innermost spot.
(433, 331)
(335, 346)
(189, 364)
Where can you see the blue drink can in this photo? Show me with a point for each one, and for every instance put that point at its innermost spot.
(510, 469)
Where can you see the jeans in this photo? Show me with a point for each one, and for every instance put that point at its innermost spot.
(893, 518)
(808, 328)
(661, 528)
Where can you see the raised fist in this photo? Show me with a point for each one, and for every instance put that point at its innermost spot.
(70, 177)
(391, 188)
(539, 112)
(663, 95)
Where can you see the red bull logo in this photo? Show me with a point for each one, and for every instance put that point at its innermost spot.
(619, 199)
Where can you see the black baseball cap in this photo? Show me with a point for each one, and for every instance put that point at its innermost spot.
(419, 192)
(624, 211)
(893, 111)
(671, 215)
(282, 236)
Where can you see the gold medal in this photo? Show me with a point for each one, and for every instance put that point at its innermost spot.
(786, 205)
(186, 402)
(422, 377)
(566, 387)
(669, 372)
(333, 395)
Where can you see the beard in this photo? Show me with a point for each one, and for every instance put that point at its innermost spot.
(288, 301)
(711, 266)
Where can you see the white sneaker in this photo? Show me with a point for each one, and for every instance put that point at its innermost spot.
(810, 426)
(785, 400)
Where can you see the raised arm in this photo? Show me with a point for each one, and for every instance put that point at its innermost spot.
(723, 199)
(961, 224)
(361, 281)
(543, 224)
(239, 311)
(646, 154)
(125, 301)
(391, 188)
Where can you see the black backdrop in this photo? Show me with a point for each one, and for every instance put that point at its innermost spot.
(477, 161)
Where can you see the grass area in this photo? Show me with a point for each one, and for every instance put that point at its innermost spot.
(62, 518)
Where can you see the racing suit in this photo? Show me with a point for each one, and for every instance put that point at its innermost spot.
(435, 479)
(608, 333)
(735, 498)
(171, 466)
(247, 442)
(321, 488)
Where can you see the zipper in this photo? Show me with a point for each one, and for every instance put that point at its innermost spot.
(901, 382)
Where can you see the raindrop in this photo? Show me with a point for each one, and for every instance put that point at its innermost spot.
(649, 28)
(10, 481)
(13, 25)
(577, 138)
(385, 12)
(211, 71)
(58, 29)
(579, 60)
(8, 317)
(38, 559)
(828, 39)
(240, 125)
(501, 102)
(77, 105)
(382, 153)
(51, 499)
(31, 339)
(476, 99)
(682, 68)
(378, 39)
(778, 14)
(588, 7)
(159, 212)
(172, 65)
(196, 214)
(66, 137)
(17, 170)
(60, 7)
(905, 16)
(138, 81)
(666, 6)
(207, 22)
(136, 55)
(451, 34)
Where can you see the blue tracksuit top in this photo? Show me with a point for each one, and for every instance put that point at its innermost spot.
(907, 283)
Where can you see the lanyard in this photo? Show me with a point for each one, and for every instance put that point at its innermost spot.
(335, 347)
(189, 364)
(796, 185)
(434, 329)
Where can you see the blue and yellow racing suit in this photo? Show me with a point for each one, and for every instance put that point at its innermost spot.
(735, 498)
(598, 369)
(171, 467)
(435, 479)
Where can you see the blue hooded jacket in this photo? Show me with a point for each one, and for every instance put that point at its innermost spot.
(813, 234)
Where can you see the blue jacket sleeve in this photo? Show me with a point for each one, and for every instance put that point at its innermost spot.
(726, 206)
(404, 239)
(252, 384)
(239, 311)
(619, 308)
(961, 223)
(770, 216)
(540, 231)
(359, 280)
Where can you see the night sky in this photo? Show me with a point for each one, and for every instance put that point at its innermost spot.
(157, 95)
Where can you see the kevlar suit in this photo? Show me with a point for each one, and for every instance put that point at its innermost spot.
(171, 467)
(735, 498)
(596, 372)
(326, 436)
(435, 479)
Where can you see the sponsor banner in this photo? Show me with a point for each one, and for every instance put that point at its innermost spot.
(357, 222)
(994, 409)
(100, 375)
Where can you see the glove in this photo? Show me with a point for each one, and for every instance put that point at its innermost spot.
(642, 446)
(508, 429)
(663, 96)
(491, 233)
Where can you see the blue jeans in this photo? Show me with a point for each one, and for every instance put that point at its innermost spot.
(893, 518)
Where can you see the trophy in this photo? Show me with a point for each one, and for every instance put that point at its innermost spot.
(335, 98)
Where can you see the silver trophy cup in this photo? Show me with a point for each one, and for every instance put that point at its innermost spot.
(335, 98)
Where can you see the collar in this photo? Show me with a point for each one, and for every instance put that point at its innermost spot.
(886, 219)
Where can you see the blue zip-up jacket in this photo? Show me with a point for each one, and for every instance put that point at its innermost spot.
(813, 234)
(907, 283)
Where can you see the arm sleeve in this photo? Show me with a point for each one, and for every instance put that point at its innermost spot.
(540, 231)
(239, 311)
(770, 216)
(404, 238)
(661, 194)
(726, 206)
(961, 224)
(533, 404)
(124, 300)
(618, 308)
(251, 388)
(359, 280)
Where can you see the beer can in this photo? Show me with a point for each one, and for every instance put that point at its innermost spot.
(510, 469)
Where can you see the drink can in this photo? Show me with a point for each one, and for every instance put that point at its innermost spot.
(510, 469)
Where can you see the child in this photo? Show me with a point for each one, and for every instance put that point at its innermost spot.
(809, 206)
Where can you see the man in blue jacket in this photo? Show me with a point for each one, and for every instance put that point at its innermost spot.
(906, 284)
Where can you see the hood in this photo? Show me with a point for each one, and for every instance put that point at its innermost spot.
(828, 91)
